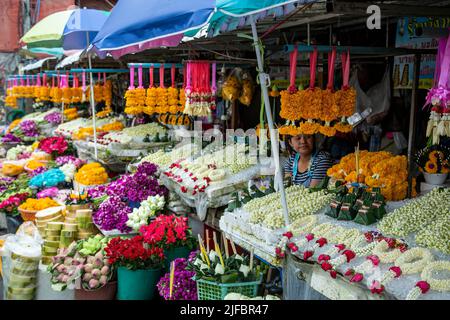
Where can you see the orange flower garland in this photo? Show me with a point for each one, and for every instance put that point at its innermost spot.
(378, 170)
(77, 95)
(44, 93)
(107, 93)
(150, 101)
(66, 95)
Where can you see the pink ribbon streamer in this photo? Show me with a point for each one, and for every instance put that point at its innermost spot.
(140, 77)
(214, 83)
(312, 68)
(161, 76)
(293, 70)
(331, 67)
(172, 75)
(151, 71)
(131, 87)
(83, 81)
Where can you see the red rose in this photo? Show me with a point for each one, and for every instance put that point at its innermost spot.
(396, 270)
(333, 274)
(323, 257)
(357, 277)
(322, 242)
(307, 254)
(349, 254)
(288, 235)
(326, 266)
(423, 286)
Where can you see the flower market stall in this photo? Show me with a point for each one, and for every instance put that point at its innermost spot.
(134, 188)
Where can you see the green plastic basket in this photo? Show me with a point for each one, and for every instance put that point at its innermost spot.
(208, 290)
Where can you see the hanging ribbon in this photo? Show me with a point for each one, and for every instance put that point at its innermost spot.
(38, 80)
(57, 79)
(331, 67)
(184, 76)
(161, 76)
(345, 59)
(439, 58)
(104, 78)
(445, 67)
(172, 75)
(214, 84)
(312, 68)
(99, 78)
(53, 82)
(151, 71)
(293, 70)
(131, 87)
(83, 81)
(44, 79)
(140, 77)
(74, 80)
(27, 81)
(188, 77)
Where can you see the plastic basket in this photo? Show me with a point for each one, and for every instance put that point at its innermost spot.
(27, 215)
(208, 290)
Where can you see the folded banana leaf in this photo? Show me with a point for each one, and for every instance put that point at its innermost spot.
(365, 216)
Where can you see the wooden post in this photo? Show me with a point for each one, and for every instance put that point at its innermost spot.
(412, 121)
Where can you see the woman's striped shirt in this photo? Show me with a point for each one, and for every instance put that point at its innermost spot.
(319, 167)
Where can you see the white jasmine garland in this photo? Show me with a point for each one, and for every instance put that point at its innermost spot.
(381, 249)
(365, 267)
(414, 260)
(414, 294)
(418, 214)
(441, 285)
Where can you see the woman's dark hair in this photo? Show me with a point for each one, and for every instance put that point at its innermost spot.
(287, 140)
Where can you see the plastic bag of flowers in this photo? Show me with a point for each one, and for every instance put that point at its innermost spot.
(139, 267)
(21, 254)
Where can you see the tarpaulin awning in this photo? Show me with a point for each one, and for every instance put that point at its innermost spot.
(36, 65)
(69, 60)
(137, 25)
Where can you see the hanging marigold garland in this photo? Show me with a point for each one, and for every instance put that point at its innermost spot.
(316, 110)
(134, 97)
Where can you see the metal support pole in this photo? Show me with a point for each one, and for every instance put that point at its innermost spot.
(273, 136)
(92, 100)
(412, 121)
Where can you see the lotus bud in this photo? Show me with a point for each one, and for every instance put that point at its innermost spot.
(60, 277)
(65, 278)
(60, 268)
(98, 263)
(88, 267)
(90, 260)
(104, 270)
(99, 255)
(68, 261)
(96, 273)
(93, 283)
(87, 277)
(103, 280)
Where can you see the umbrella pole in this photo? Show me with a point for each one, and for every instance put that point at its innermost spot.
(273, 136)
(91, 98)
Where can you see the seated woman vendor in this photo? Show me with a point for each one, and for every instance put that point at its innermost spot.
(306, 165)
